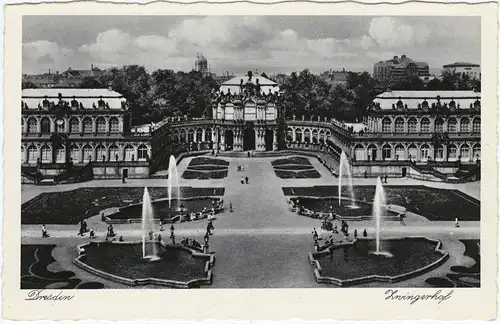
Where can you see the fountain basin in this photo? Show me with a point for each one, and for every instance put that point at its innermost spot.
(356, 263)
(176, 267)
(162, 211)
(346, 211)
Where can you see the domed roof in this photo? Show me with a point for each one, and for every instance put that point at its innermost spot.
(201, 59)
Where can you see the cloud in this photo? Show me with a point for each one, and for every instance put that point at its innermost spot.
(391, 32)
(239, 43)
(44, 54)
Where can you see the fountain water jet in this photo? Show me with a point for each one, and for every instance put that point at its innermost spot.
(149, 251)
(345, 166)
(379, 205)
(173, 181)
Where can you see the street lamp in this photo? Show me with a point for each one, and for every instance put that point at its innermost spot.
(172, 234)
(206, 238)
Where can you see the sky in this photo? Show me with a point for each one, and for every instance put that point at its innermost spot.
(236, 44)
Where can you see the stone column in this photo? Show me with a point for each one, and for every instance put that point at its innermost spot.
(25, 157)
(80, 125)
(94, 126)
(223, 140)
(25, 126)
(66, 125)
(203, 135)
(294, 138)
(275, 140)
(52, 125)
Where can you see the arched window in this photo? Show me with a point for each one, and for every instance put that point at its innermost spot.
(190, 136)
(100, 153)
(321, 135)
(476, 152)
(75, 153)
(101, 125)
(298, 135)
(464, 152)
(199, 135)
(60, 154)
(359, 152)
(412, 152)
(74, 125)
(400, 125)
(60, 125)
(32, 125)
(452, 125)
(113, 153)
(46, 154)
(87, 153)
(315, 135)
(289, 134)
(87, 125)
(425, 152)
(386, 125)
(208, 135)
(114, 125)
(128, 152)
(464, 125)
(142, 152)
(476, 125)
(328, 135)
(183, 136)
(32, 153)
(452, 154)
(372, 152)
(438, 125)
(307, 136)
(412, 125)
(45, 125)
(386, 152)
(400, 152)
(439, 152)
(425, 125)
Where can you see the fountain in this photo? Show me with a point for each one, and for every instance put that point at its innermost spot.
(345, 166)
(379, 206)
(149, 250)
(173, 181)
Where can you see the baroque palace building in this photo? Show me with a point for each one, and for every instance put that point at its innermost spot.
(73, 127)
(424, 134)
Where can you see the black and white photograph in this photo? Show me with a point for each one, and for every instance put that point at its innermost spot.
(178, 163)
(250, 152)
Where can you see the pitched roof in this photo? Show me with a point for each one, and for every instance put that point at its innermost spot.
(413, 98)
(88, 97)
(234, 84)
(460, 64)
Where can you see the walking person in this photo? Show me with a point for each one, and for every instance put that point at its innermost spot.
(92, 234)
(230, 207)
(365, 234)
(44, 231)
(246, 180)
(355, 234)
(456, 222)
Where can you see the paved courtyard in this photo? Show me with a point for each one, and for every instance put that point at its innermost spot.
(261, 244)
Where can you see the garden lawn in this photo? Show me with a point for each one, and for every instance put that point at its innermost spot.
(432, 203)
(70, 207)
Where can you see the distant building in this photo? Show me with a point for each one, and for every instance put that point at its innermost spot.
(472, 70)
(67, 79)
(335, 78)
(398, 69)
(201, 64)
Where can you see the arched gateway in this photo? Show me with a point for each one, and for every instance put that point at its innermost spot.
(249, 139)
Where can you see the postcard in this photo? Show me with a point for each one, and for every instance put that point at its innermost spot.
(246, 161)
